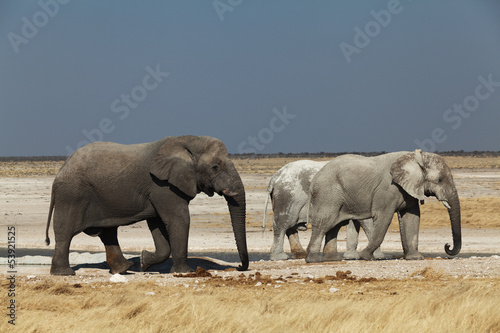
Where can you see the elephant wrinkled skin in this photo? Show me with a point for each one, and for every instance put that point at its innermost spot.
(357, 187)
(105, 185)
(289, 191)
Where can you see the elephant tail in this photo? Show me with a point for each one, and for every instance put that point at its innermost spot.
(265, 210)
(308, 206)
(270, 189)
(51, 209)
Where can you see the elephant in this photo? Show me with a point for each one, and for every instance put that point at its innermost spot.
(289, 190)
(357, 187)
(104, 185)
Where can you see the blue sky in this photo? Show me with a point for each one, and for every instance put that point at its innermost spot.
(263, 76)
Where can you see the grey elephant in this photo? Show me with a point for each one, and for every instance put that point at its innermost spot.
(289, 190)
(105, 185)
(357, 187)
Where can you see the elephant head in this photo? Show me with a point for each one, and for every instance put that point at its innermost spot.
(426, 174)
(201, 164)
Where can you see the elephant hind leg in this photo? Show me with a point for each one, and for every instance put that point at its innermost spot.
(63, 234)
(314, 248)
(298, 251)
(352, 240)
(277, 251)
(381, 224)
(60, 260)
(330, 252)
(367, 226)
(114, 256)
(162, 245)
(325, 222)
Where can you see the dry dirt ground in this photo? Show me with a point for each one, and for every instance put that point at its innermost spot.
(24, 203)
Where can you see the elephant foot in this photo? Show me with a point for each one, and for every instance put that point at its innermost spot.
(299, 254)
(61, 270)
(148, 259)
(314, 257)
(351, 255)
(332, 256)
(366, 255)
(378, 254)
(279, 256)
(414, 256)
(181, 268)
(120, 267)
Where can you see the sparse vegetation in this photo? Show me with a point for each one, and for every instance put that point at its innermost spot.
(263, 164)
(480, 213)
(428, 301)
(271, 165)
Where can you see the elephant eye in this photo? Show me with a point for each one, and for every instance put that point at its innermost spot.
(215, 168)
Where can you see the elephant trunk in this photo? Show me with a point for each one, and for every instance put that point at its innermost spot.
(237, 209)
(456, 229)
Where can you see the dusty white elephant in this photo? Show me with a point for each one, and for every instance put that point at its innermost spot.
(357, 187)
(289, 190)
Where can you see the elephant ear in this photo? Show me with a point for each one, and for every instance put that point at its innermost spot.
(408, 172)
(174, 163)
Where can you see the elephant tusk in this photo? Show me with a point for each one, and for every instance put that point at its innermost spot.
(446, 204)
(229, 193)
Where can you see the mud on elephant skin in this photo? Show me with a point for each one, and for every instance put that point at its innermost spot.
(357, 187)
(288, 190)
(105, 185)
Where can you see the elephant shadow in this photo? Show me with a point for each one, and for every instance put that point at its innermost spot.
(203, 262)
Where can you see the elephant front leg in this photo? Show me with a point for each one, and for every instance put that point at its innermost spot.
(114, 256)
(162, 246)
(298, 251)
(409, 223)
(175, 215)
(352, 240)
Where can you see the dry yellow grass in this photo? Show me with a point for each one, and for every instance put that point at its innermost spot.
(271, 165)
(29, 169)
(479, 213)
(428, 302)
(244, 165)
(457, 162)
